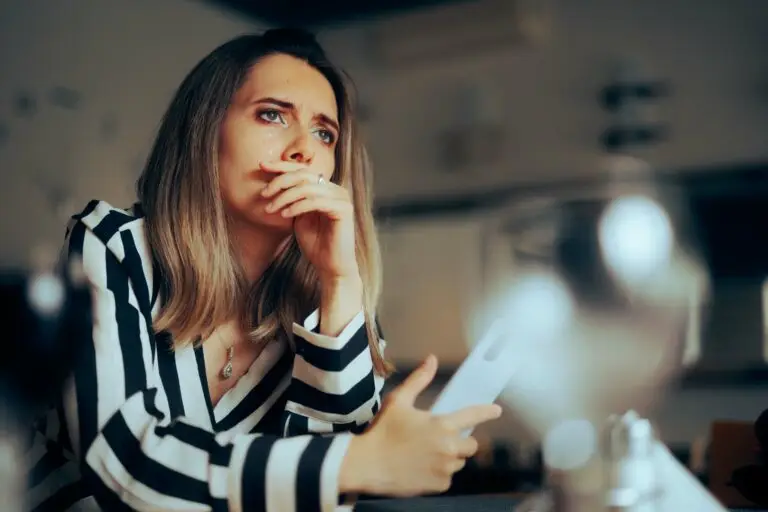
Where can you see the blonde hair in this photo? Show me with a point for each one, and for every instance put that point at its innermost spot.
(202, 283)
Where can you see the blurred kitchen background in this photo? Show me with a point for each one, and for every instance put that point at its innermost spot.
(467, 107)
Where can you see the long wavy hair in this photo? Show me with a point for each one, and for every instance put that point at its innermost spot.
(202, 281)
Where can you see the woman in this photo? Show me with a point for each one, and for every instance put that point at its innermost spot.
(199, 390)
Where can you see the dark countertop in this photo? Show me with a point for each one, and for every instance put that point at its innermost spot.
(441, 504)
(477, 503)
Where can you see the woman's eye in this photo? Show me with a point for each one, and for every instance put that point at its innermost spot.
(272, 116)
(326, 136)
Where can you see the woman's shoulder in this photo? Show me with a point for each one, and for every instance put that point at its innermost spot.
(106, 221)
(101, 228)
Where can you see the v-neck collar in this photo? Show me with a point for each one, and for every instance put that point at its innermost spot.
(263, 363)
(200, 358)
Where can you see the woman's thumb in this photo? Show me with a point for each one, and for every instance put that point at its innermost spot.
(419, 379)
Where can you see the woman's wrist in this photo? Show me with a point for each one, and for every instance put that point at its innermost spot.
(341, 298)
(357, 474)
(347, 282)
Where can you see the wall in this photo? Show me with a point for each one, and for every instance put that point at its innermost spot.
(125, 59)
(712, 53)
(432, 284)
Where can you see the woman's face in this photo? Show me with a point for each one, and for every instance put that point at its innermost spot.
(285, 111)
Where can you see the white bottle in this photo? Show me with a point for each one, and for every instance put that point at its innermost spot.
(632, 484)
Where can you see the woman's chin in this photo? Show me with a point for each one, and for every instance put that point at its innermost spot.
(275, 221)
(256, 217)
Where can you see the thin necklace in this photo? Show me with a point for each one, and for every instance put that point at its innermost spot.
(226, 371)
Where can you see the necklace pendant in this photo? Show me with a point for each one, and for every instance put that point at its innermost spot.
(226, 372)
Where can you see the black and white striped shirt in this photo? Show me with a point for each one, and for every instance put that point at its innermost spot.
(135, 427)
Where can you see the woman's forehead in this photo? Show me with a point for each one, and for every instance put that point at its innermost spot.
(292, 80)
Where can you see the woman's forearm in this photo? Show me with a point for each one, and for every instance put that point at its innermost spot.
(341, 298)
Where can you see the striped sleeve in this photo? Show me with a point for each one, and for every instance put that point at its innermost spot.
(133, 455)
(334, 387)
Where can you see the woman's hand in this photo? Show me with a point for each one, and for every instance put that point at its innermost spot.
(324, 222)
(407, 451)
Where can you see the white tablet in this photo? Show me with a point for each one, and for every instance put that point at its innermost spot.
(482, 376)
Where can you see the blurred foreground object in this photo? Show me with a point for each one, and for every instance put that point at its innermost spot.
(634, 472)
(46, 314)
(601, 292)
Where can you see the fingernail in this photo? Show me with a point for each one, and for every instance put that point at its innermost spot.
(269, 207)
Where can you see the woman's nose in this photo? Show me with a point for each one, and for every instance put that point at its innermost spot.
(299, 150)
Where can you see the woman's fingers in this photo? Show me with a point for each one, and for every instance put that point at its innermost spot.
(469, 417)
(467, 447)
(334, 208)
(306, 191)
(294, 194)
(289, 180)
